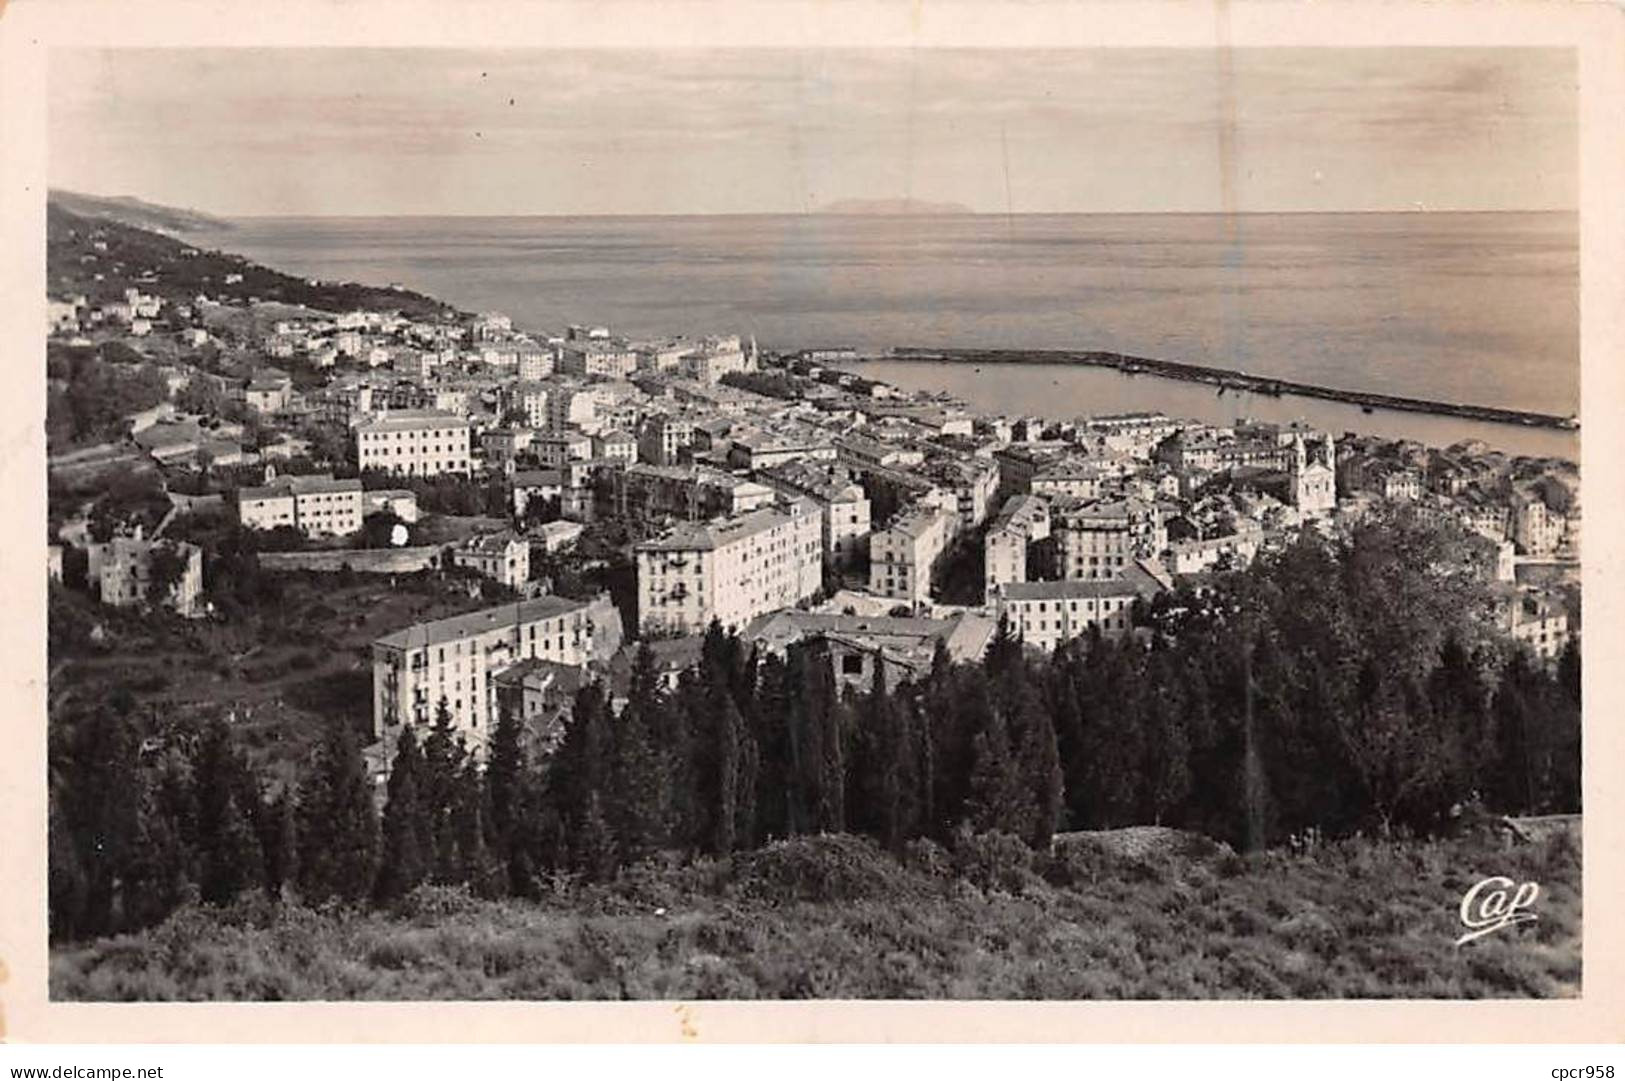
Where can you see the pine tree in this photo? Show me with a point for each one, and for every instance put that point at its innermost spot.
(404, 861)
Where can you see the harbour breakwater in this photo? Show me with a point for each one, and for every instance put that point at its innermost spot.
(1226, 379)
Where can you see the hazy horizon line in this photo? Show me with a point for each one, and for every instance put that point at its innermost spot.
(810, 213)
(898, 214)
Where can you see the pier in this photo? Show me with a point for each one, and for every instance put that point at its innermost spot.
(1239, 381)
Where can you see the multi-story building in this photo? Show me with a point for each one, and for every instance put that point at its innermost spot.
(1045, 614)
(662, 439)
(571, 407)
(501, 445)
(844, 505)
(661, 356)
(1535, 529)
(529, 398)
(555, 448)
(414, 364)
(416, 443)
(1137, 434)
(1538, 623)
(970, 484)
(731, 569)
(268, 393)
(1227, 551)
(533, 362)
(1094, 539)
(317, 506)
(761, 449)
(597, 357)
(713, 360)
(1208, 450)
(401, 502)
(1023, 520)
(692, 493)
(456, 660)
(123, 569)
(904, 555)
(866, 453)
(615, 445)
(502, 557)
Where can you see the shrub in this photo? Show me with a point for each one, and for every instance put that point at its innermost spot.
(828, 867)
(994, 861)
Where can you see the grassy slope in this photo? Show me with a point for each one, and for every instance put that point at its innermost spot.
(289, 668)
(832, 918)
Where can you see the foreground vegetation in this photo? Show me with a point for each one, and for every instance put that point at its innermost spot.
(835, 917)
(1337, 688)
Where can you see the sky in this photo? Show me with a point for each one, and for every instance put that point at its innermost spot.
(385, 132)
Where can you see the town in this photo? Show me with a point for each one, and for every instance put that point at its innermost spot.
(591, 491)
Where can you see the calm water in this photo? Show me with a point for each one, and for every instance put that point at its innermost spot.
(1468, 307)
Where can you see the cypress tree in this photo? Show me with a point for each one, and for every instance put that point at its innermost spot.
(505, 771)
(637, 809)
(442, 761)
(595, 854)
(282, 855)
(229, 851)
(338, 836)
(104, 802)
(405, 859)
(477, 865)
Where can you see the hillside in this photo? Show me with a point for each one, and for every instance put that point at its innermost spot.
(138, 213)
(833, 917)
(101, 258)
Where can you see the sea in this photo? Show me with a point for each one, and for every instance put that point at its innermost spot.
(1480, 308)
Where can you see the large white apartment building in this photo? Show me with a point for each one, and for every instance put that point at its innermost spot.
(903, 556)
(418, 443)
(1045, 614)
(317, 506)
(731, 569)
(845, 507)
(455, 660)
